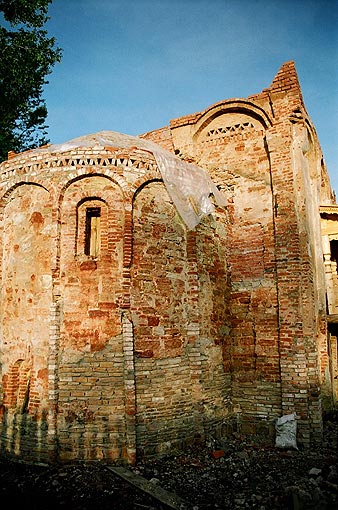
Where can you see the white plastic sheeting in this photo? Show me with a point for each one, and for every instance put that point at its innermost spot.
(189, 186)
(97, 141)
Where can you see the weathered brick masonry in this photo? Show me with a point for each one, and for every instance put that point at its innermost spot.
(125, 333)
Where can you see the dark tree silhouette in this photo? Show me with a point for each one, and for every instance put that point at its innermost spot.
(27, 56)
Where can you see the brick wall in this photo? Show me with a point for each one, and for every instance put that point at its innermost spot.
(126, 334)
(264, 153)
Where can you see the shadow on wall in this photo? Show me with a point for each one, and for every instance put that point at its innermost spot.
(24, 436)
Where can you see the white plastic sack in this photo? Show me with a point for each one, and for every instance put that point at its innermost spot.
(286, 432)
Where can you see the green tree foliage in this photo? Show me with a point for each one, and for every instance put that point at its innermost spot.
(27, 56)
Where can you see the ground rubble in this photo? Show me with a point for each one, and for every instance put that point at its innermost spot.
(238, 472)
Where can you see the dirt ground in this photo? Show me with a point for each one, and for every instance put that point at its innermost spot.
(236, 473)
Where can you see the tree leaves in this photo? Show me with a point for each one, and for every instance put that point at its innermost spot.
(27, 56)
(29, 12)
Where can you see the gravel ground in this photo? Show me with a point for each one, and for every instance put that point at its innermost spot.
(238, 473)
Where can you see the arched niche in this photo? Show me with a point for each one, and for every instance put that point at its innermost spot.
(229, 119)
(26, 292)
(159, 271)
(92, 224)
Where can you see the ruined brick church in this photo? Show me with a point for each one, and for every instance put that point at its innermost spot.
(163, 289)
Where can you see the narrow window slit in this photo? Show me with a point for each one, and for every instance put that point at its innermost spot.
(92, 232)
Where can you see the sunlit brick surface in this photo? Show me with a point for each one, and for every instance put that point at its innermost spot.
(124, 333)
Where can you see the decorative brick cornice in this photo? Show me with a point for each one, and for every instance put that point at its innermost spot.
(329, 209)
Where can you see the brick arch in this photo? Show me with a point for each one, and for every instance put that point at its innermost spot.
(143, 180)
(140, 184)
(10, 385)
(151, 176)
(26, 250)
(14, 383)
(232, 106)
(88, 172)
(95, 280)
(128, 192)
(6, 196)
(93, 197)
(315, 157)
(160, 310)
(84, 195)
(161, 246)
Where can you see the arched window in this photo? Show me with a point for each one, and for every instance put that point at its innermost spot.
(18, 386)
(91, 228)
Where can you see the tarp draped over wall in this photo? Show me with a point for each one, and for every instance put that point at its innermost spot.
(189, 186)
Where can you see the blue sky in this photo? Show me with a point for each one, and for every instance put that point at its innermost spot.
(132, 65)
